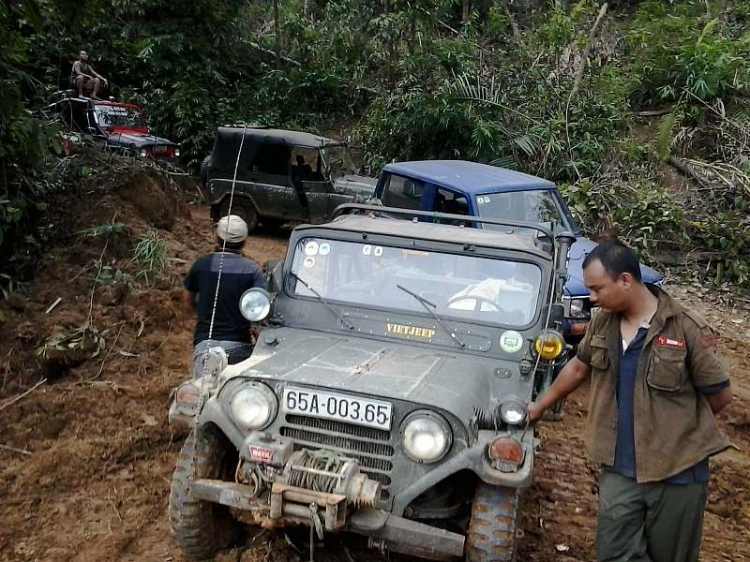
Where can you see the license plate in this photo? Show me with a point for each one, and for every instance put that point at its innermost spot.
(356, 410)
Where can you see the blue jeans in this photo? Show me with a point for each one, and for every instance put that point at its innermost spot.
(236, 352)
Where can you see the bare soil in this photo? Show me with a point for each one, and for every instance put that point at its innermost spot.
(86, 458)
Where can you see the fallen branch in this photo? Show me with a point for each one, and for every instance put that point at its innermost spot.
(654, 112)
(21, 451)
(579, 79)
(22, 395)
(587, 49)
(53, 305)
(686, 170)
(274, 54)
(513, 25)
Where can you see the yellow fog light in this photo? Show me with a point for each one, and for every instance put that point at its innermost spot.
(549, 345)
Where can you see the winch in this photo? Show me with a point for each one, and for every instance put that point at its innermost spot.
(331, 473)
(318, 486)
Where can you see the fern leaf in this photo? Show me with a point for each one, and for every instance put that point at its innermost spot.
(666, 135)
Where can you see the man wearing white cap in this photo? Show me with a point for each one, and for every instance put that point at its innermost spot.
(238, 274)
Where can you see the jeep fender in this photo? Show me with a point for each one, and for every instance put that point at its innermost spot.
(474, 459)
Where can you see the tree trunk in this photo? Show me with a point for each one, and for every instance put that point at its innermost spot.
(466, 11)
(277, 28)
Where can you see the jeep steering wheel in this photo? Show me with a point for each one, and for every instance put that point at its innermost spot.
(477, 303)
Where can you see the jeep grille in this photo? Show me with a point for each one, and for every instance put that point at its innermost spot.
(371, 447)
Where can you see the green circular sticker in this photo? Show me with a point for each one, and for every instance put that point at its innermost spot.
(511, 341)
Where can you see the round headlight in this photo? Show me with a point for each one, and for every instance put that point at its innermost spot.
(255, 304)
(254, 406)
(176, 152)
(143, 153)
(426, 436)
(513, 412)
(549, 345)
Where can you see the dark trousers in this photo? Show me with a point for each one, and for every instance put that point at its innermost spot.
(653, 522)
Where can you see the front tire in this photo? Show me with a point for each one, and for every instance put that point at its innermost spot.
(202, 528)
(495, 515)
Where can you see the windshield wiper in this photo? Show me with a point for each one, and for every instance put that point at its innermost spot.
(427, 304)
(340, 316)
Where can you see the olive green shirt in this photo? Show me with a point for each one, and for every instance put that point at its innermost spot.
(674, 425)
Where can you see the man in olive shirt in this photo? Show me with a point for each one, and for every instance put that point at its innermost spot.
(656, 383)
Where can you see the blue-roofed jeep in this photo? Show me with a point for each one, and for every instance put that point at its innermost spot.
(469, 188)
(387, 395)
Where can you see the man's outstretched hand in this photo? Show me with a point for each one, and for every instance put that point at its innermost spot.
(535, 412)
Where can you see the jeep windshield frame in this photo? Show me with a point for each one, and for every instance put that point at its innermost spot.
(337, 160)
(541, 206)
(494, 289)
(110, 116)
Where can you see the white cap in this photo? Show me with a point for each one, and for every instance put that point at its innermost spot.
(232, 228)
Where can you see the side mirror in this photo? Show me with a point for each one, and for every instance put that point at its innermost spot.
(365, 170)
(275, 276)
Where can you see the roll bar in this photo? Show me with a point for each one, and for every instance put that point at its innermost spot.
(349, 208)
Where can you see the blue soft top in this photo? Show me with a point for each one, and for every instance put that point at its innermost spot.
(468, 177)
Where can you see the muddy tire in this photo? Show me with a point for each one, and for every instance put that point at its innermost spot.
(242, 208)
(201, 528)
(495, 515)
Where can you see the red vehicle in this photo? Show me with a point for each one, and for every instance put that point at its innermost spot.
(120, 125)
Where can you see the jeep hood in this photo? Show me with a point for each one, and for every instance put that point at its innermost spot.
(356, 185)
(137, 140)
(456, 382)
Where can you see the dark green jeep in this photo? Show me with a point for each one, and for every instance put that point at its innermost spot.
(281, 176)
(387, 395)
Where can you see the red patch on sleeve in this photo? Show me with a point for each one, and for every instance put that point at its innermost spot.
(664, 341)
(708, 340)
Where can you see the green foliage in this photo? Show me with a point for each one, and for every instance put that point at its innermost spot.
(412, 80)
(104, 230)
(151, 256)
(682, 50)
(85, 340)
(25, 142)
(666, 134)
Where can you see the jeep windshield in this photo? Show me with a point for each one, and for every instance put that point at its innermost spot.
(537, 206)
(338, 160)
(462, 287)
(111, 116)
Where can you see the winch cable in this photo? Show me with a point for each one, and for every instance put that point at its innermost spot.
(204, 359)
(224, 245)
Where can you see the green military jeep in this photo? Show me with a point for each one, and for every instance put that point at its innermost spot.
(387, 394)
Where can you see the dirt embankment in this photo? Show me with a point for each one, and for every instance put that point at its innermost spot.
(86, 457)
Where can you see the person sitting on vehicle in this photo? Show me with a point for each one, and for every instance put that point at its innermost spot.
(231, 330)
(84, 78)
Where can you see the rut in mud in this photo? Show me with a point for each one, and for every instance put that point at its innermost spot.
(86, 457)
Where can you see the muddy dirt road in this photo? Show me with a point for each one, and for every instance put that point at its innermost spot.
(86, 458)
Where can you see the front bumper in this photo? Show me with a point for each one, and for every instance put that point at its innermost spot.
(294, 506)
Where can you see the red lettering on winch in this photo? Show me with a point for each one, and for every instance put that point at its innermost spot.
(260, 454)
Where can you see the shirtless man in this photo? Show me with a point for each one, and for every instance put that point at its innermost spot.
(85, 77)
